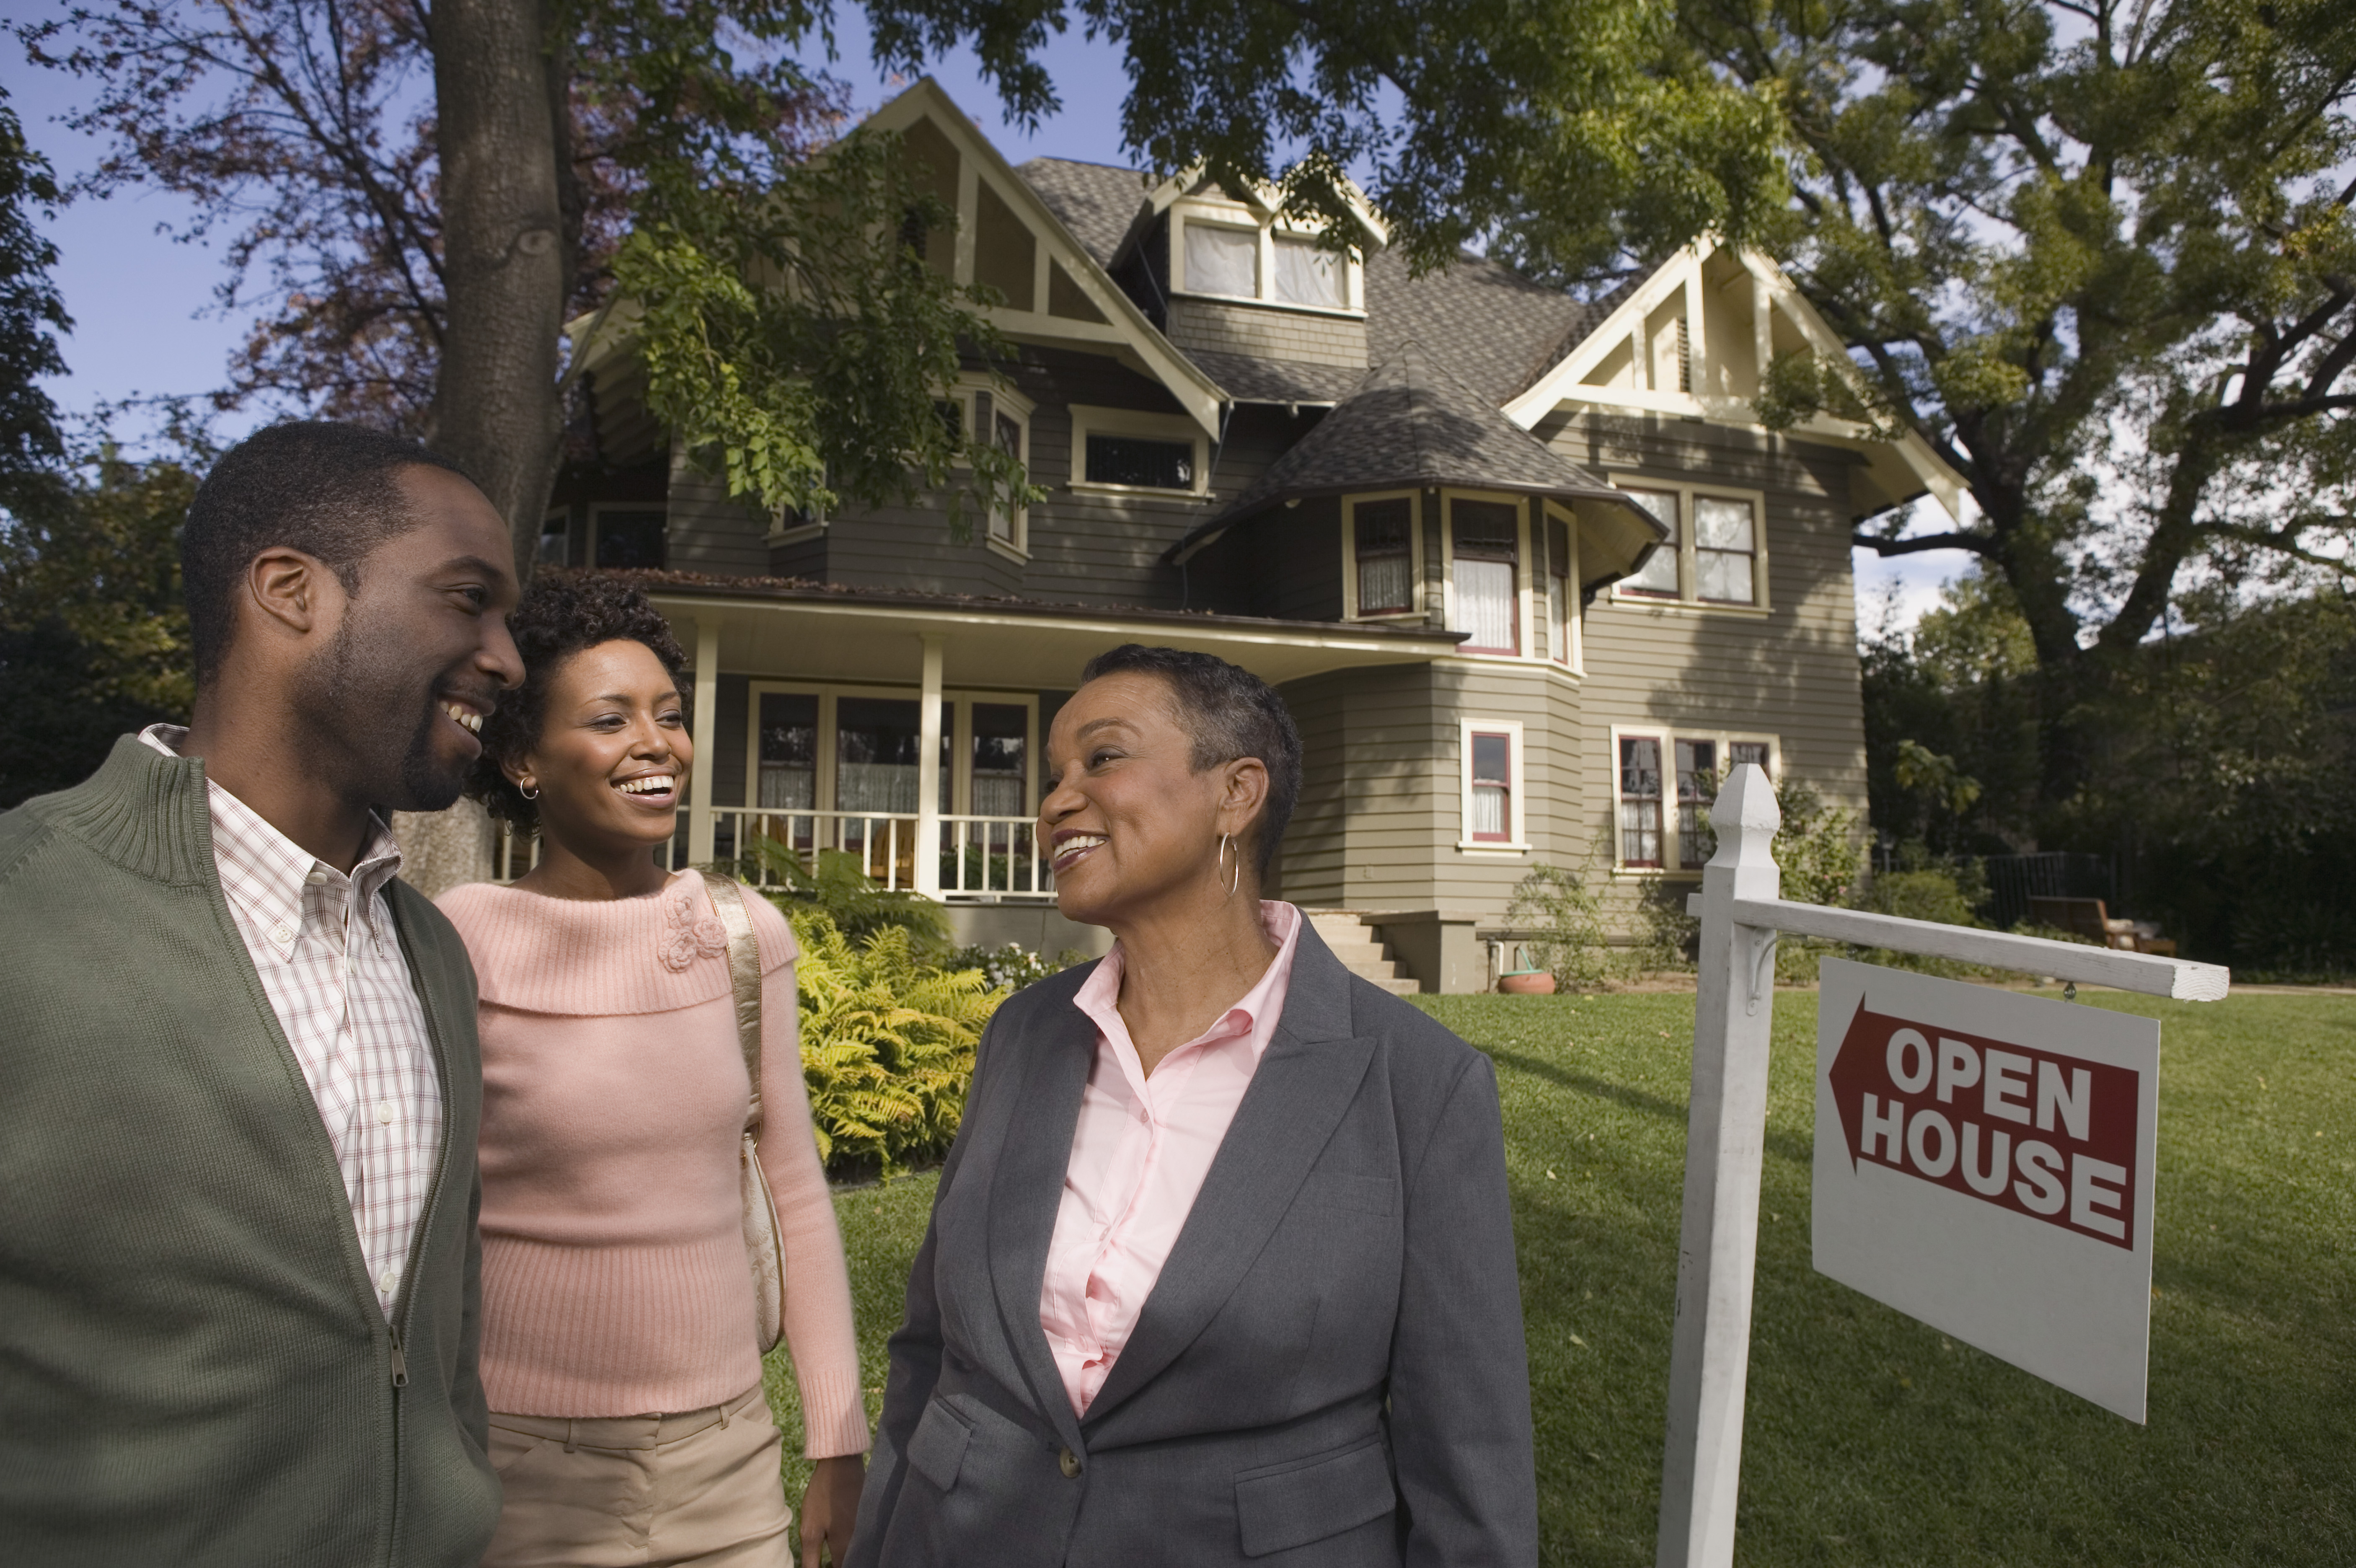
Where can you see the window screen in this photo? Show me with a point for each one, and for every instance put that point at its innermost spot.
(1487, 548)
(1640, 800)
(1382, 533)
(1306, 274)
(1725, 547)
(1222, 261)
(1135, 460)
(630, 539)
(1492, 787)
(1659, 576)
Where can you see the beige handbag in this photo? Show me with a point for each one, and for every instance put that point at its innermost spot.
(763, 1249)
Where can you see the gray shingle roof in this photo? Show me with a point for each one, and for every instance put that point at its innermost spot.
(1411, 424)
(1249, 378)
(1495, 329)
(1096, 201)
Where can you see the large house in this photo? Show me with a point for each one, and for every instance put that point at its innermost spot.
(1529, 570)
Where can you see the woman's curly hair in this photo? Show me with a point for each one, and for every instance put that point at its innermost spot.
(561, 614)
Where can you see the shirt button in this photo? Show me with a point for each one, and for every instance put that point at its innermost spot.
(386, 1111)
(319, 878)
(388, 1280)
(281, 933)
(1069, 1463)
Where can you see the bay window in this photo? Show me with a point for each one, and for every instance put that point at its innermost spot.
(1382, 558)
(1485, 547)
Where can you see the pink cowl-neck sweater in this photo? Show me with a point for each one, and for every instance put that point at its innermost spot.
(615, 1279)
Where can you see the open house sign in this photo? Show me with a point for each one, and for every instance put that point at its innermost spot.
(1984, 1162)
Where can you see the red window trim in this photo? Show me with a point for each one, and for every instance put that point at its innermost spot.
(1504, 784)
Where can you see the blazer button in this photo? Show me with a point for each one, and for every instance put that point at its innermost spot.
(1069, 1463)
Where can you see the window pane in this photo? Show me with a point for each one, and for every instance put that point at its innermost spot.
(1008, 431)
(875, 756)
(1489, 812)
(1133, 460)
(788, 751)
(555, 534)
(1558, 619)
(1386, 571)
(1750, 751)
(1492, 759)
(1487, 529)
(1484, 605)
(630, 539)
(1720, 524)
(1222, 261)
(1696, 787)
(1659, 575)
(1640, 800)
(1725, 577)
(999, 731)
(1304, 274)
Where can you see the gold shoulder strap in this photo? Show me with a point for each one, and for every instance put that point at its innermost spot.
(744, 975)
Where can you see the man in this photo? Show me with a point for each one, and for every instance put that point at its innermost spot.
(239, 1079)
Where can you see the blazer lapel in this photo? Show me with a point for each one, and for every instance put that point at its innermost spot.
(1026, 1194)
(1304, 1084)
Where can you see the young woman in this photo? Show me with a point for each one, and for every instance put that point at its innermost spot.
(1221, 1267)
(620, 1352)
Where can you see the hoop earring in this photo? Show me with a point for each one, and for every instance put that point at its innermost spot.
(1227, 846)
(526, 794)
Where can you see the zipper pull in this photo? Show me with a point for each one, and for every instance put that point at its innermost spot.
(400, 1361)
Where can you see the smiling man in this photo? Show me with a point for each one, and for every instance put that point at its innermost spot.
(238, 1077)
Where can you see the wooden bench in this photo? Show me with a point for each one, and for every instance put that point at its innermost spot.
(2087, 917)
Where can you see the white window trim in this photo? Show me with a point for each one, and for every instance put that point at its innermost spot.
(1516, 769)
(1686, 490)
(1002, 397)
(1522, 573)
(1089, 421)
(1668, 734)
(1350, 504)
(1236, 215)
(1574, 622)
(957, 721)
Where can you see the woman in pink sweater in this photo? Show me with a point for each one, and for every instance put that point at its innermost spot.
(620, 1353)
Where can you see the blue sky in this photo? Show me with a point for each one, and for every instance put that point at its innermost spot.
(143, 304)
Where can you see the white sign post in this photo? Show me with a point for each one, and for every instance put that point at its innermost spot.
(1726, 1128)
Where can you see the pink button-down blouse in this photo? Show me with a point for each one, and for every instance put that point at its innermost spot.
(1139, 1156)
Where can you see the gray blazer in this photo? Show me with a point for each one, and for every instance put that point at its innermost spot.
(1330, 1369)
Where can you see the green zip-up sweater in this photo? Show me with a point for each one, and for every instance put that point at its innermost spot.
(194, 1369)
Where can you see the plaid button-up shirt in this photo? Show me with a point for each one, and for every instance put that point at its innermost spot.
(332, 966)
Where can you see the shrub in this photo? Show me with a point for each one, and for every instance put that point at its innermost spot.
(1932, 892)
(1011, 966)
(887, 1043)
(1565, 926)
(840, 889)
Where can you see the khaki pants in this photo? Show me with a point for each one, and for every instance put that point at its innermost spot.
(645, 1491)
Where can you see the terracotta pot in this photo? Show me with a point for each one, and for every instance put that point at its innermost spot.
(1538, 984)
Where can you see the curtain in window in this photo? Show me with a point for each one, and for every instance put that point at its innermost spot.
(1386, 572)
(1222, 261)
(1000, 732)
(1640, 800)
(875, 756)
(1305, 275)
(1724, 538)
(788, 751)
(1487, 535)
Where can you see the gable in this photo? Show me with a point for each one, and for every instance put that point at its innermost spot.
(1056, 293)
(1693, 339)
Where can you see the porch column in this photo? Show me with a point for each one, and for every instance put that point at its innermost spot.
(707, 741)
(928, 771)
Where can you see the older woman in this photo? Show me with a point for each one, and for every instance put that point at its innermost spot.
(1221, 1266)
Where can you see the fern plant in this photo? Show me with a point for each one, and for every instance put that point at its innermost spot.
(888, 1044)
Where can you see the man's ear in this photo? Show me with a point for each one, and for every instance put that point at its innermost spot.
(296, 591)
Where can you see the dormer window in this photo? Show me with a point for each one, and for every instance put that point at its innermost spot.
(1230, 250)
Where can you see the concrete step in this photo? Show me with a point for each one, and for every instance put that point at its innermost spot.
(1354, 942)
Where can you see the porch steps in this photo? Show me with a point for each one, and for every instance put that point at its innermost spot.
(1354, 942)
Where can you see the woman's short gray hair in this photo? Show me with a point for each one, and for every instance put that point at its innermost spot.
(1231, 714)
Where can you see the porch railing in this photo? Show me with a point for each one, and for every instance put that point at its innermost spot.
(979, 859)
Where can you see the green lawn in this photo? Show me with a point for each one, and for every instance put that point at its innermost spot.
(1871, 1439)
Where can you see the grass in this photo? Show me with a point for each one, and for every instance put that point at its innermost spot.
(1871, 1439)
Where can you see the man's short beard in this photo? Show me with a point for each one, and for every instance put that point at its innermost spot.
(350, 692)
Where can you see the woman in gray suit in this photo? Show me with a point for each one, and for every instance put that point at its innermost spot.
(1221, 1267)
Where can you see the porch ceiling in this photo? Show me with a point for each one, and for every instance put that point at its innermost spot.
(839, 636)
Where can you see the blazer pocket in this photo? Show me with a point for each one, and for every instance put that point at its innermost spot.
(1288, 1505)
(1363, 1194)
(936, 1448)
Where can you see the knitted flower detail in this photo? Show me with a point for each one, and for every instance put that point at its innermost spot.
(689, 936)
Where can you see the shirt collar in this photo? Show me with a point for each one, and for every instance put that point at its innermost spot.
(1099, 995)
(266, 871)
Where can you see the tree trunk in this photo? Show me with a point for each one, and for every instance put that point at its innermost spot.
(506, 258)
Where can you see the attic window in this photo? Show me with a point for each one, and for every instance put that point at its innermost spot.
(1306, 274)
(1220, 260)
